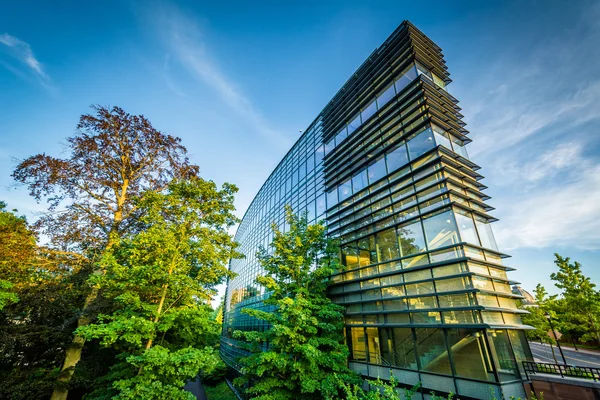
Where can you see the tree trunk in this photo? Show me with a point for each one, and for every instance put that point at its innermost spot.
(73, 352)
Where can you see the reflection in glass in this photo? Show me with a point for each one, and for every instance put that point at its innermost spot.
(359, 181)
(377, 170)
(410, 237)
(440, 230)
(420, 144)
(332, 198)
(485, 233)
(466, 227)
(368, 111)
(469, 354)
(432, 351)
(385, 96)
(345, 190)
(399, 347)
(354, 124)
(503, 354)
(396, 158)
(359, 348)
(387, 245)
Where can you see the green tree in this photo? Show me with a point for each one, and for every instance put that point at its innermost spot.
(305, 341)
(161, 280)
(115, 160)
(578, 308)
(537, 315)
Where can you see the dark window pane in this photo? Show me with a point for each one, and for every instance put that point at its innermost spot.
(354, 124)
(345, 190)
(407, 77)
(396, 158)
(385, 96)
(377, 170)
(411, 238)
(469, 354)
(387, 245)
(398, 347)
(420, 144)
(339, 138)
(369, 111)
(359, 181)
(432, 351)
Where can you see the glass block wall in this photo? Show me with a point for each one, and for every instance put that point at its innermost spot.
(385, 165)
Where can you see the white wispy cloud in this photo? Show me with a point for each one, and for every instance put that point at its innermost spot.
(535, 122)
(185, 41)
(22, 52)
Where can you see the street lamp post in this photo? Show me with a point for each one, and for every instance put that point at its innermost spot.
(549, 318)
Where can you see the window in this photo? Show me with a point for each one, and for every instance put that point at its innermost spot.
(369, 110)
(432, 351)
(387, 245)
(396, 158)
(377, 170)
(354, 124)
(345, 190)
(441, 137)
(359, 348)
(340, 136)
(410, 237)
(385, 96)
(321, 205)
(485, 233)
(420, 144)
(407, 77)
(329, 146)
(367, 251)
(332, 198)
(469, 354)
(359, 181)
(466, 227)
(440, 230)
(400, 345)
(505, 361)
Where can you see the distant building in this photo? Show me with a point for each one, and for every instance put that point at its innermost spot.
(425, 289)
(528, 300)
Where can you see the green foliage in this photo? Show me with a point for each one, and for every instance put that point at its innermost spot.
(159, 281)
(306, 355)
(378, 390)
(578, 308)
(537, 315)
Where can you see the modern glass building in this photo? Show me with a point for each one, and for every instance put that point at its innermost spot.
(385, 164)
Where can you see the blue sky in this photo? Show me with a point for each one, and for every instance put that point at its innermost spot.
(237, 81)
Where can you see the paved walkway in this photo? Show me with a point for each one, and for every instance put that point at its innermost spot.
(195, 387)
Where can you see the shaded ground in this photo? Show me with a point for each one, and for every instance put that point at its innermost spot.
(196, 388)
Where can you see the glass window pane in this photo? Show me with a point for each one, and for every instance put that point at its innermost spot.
(359, 181)
(410, 237)
(385, 96)
(321, 205)
(454, 300)
(450, 285)
(339, 138)
(400, 344)
(329, 146)
(367, 251)
(368, 111)
(354, 124)
(486, 235)
(466, 227)
(387, 245)
(420, 303)
(469, 354)
(345, 190)
(420, 144)
(432, 351)
(332, 198)
(407, 77)
(440, 230)
(373, 346)
(504, 357)
(377, 170)
(441, 137)
(396, 158)
(359, 346)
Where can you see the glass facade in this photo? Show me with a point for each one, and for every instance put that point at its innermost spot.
(385, 166)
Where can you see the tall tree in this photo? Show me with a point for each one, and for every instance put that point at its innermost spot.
(578, 308)
(115, 160)
(537, 315)
(161, 279)
(305, 341)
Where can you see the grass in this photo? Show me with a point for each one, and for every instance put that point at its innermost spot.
(219, 392)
